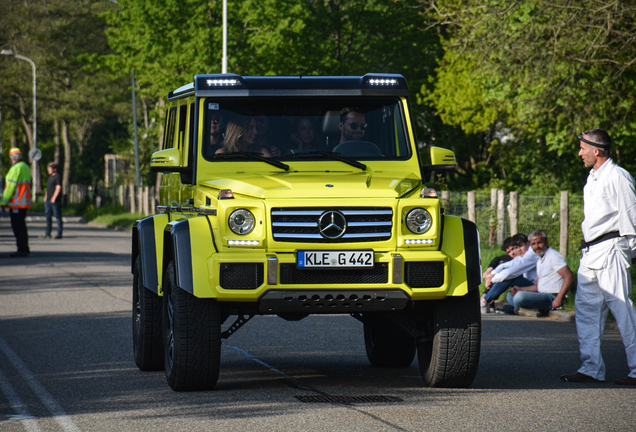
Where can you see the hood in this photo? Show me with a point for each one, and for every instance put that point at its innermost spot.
(291, 185)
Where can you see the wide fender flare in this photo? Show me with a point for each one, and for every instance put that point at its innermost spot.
(148, 245)
(460, 241)
(191, 243)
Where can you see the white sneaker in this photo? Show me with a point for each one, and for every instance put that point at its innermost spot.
(484, 307)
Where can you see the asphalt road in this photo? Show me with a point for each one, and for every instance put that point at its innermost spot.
(66, 363)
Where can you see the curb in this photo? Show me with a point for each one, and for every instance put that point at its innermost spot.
(557, 315)
(106, 226)
(40, 217)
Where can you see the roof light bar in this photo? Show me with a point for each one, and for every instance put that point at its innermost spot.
(225, 82)
(384, 81)
(418, 241)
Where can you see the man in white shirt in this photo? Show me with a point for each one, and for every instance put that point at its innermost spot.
(554, 278)
(608, 250)
(520, 271)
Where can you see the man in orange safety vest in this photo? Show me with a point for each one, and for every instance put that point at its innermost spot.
(17, 196)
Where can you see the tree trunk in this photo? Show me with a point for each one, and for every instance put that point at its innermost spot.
(66, 175)
(26, 125)
(56, 140)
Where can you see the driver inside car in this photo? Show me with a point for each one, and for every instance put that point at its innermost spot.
(352, 125)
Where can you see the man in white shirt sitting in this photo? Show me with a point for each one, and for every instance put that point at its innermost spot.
(520, 271)
(553, 280)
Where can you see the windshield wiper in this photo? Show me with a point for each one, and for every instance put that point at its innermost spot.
(332, 155)
(255, 156)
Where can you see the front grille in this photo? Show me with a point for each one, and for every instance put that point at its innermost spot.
(241, 276)
(424, 274)
(290, 274)
(363, 224)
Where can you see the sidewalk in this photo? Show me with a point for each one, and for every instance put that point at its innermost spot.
(39, 217)
(558, 315)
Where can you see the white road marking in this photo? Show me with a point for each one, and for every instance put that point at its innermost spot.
(51, 404)
(29, 422)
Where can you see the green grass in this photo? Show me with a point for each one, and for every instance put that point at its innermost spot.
(125, 220)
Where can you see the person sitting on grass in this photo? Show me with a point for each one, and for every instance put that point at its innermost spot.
(511, 252)
(520, 271)
(554, 278)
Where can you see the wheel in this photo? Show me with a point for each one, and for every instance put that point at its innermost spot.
(146, 325)
(191, 337)
(387, 344)
(450, 356)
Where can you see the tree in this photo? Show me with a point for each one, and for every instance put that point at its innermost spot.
(58, 35)
(167, 42)
(537, 73)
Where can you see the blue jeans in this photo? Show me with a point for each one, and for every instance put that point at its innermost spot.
(53, 209)
(499, 288)
(531, 300)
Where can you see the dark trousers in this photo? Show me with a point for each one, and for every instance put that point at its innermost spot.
(53, 209)
(18, 223)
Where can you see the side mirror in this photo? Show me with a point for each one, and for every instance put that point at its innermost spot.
(441, 160)
(168, 160)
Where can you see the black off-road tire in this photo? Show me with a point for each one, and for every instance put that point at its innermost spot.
(387, 344)
(146, 325)
(191, 336)
(451, 357)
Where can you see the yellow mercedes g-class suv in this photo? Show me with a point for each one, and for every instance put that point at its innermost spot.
(294, 196)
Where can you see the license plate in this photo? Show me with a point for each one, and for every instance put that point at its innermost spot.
(335, 259)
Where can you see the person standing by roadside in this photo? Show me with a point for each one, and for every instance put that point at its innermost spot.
(17, 196)
(53, 201)
(608, 250)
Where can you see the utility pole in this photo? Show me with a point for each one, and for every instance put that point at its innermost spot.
(224, 62)
(35, 154)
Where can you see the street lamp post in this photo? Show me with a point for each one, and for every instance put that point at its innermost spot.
(34, 167)
(224, 61)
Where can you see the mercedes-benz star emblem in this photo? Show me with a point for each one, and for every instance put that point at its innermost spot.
(332, 224)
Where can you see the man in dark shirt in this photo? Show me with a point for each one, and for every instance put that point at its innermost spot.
(53, 201)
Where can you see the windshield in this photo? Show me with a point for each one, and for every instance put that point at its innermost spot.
(286, 128)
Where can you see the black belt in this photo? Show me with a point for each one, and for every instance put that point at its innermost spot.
(597, 240)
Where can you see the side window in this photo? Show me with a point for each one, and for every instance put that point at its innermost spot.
(168, 142)
(191, 128)
(181, 136)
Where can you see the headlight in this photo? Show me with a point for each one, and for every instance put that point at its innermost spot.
(418, 221)
(241, 221)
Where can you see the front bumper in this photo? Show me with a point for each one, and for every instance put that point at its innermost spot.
(255, 276)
